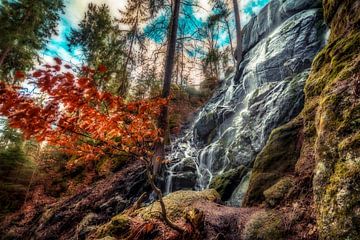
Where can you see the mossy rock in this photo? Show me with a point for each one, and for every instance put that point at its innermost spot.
(119, 226)
(341, 16)
(177, 204)
(340, 207)
(227, 182)
(278, 158)
(332, 109)
(279, 191)
(264, 225)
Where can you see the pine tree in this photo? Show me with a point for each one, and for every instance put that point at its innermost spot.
(223, 7)
(135, 14)
(102, 44)
(25, 27)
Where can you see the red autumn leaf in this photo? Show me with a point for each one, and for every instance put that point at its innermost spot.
(58, 61)
(57, 68)
(37, 74)
(87, 115)
(19, 75)
(102, 68)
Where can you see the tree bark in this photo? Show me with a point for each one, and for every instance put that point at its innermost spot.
(169, 66)
(231, 41)
(124, 85)
(4, 54)
(158, 193)
(238, 54)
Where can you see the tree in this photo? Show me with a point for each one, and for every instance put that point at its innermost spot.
(136, 13)
(213, 56)
(25, 27)
(84, 121)
(222, 6)
(223, 11)
(102, 44)
(15, 169)
(238, 52)
(163, 121)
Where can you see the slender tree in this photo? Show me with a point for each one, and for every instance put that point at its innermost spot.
(224, 11)
(102, 44)
(238, 52)
(137, 12)
(25, 27)
(163, 122)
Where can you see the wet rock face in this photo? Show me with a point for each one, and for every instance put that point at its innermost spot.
(279, 46)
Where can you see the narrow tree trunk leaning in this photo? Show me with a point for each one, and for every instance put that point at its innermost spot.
(4, 55)
(238, 51)
(158, 192)
(169, 66)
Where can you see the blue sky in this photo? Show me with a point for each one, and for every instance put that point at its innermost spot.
(76, 8)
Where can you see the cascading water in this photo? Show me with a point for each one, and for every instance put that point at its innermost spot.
(233, 127)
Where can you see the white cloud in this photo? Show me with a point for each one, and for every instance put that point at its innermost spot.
(204, 9)
(75, 9)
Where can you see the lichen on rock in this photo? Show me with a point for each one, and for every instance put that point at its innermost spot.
(279, 191)
(264, 225)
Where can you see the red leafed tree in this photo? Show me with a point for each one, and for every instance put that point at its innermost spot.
(81, 120)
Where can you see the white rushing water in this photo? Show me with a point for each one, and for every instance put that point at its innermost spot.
(233, 127)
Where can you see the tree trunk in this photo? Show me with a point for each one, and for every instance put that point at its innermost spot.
(124, 85)
(238, 54)
(169, 66)
(231, 42)
(4, 55)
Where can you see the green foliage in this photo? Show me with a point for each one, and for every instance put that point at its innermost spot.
(15, 171)
(102, 44)
(25, 27)
(147, 84)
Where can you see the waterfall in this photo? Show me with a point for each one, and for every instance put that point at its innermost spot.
(233, 127)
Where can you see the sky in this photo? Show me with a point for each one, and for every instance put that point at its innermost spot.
(75, 10)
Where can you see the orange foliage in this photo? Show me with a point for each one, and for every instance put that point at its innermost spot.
(79, 118)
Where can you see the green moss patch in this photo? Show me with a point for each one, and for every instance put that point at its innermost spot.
(278, 157)
(279, 191)
(227, 182)
(177, 203)
(264, 225)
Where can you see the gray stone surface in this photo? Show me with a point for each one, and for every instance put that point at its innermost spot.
(232, 128)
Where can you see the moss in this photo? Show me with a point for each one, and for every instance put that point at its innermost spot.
(341, 16)
(278, 157)
(278, 191)
(226, 183)
(330, 62)
(119, 226)
(339, 212)
(196, 218)
(264, 225)
(330, 8)
(177, 203)
(332, 107)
